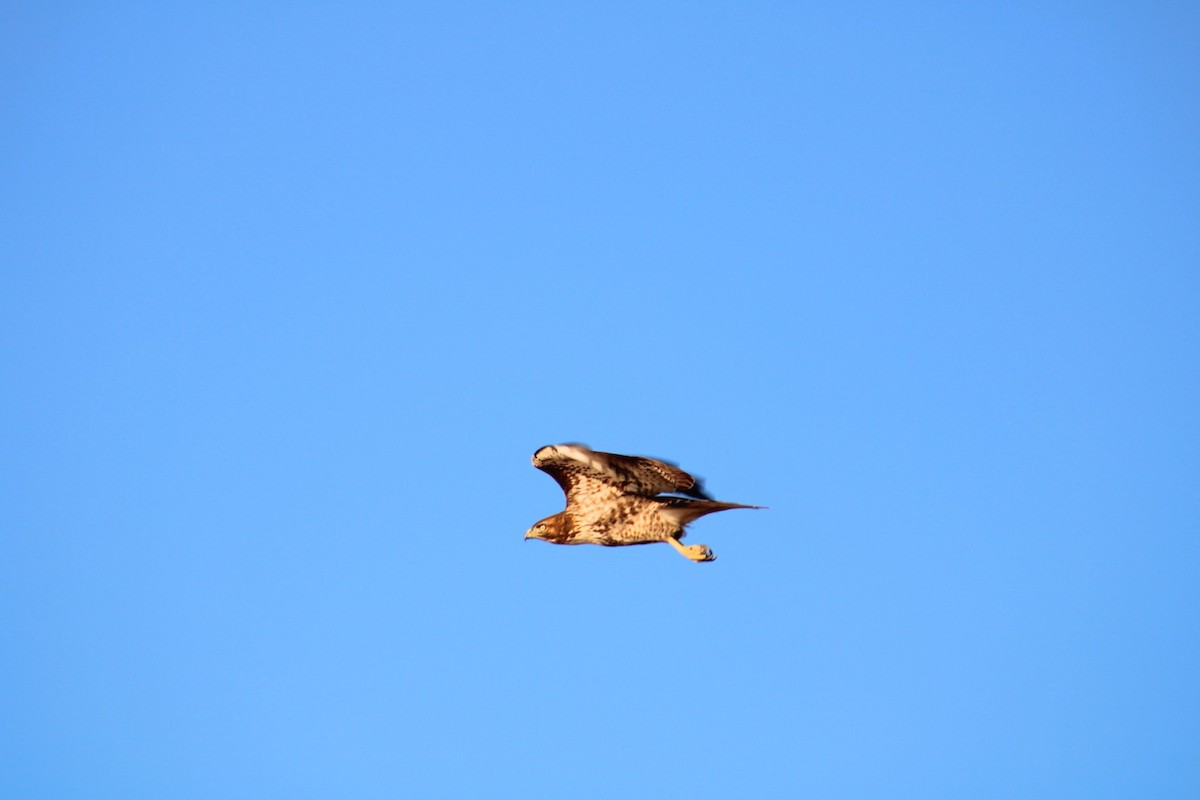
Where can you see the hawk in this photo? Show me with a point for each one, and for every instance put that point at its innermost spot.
(615, 500)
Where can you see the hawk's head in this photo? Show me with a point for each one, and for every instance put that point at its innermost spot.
(556, 529)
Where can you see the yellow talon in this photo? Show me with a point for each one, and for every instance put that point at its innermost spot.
(694, 552)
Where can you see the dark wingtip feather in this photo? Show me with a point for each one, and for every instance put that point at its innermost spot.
(698, 491)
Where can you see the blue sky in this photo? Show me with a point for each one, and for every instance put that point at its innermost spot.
(291, 293)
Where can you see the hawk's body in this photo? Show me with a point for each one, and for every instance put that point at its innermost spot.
(615, 500)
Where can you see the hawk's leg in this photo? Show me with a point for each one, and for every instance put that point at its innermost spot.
(696, 552)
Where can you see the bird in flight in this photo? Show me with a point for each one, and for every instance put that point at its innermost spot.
(615, 500)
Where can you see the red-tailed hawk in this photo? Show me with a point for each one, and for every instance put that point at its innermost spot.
(617, 500)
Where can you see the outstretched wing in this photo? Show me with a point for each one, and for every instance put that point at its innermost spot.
(574, 465)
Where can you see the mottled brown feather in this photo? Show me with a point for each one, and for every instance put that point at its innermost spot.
(570, 463)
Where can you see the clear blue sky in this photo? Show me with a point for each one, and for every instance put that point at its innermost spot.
(291, 292)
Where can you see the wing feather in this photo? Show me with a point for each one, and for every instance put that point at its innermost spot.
(574, 464)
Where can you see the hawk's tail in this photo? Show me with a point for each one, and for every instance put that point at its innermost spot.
(682, 510)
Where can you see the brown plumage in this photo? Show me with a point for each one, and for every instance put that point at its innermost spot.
(615, 500)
